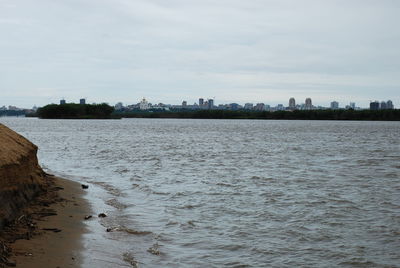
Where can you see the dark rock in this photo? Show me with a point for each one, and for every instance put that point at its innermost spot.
(88, 217)
(102, 215)
(85, 186)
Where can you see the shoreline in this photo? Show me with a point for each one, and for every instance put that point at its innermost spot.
(48, 232)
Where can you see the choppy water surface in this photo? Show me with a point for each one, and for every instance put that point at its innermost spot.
(221, 193)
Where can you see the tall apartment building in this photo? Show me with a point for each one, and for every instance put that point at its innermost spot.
(308, 104)
(210, 104)
(374, 105)
(201, 102)
(248, 106)
(389, 105)
(259, 107)
(334, 105)
(292, 104)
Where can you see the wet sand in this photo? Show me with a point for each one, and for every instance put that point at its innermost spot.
(52, 240)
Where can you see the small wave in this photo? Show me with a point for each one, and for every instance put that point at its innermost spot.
(128, 230)
(109, 188)
(128, 257)
(154, 249)
(135, 178)
(122, 171)
(179, 194)
(160, 193)
(231, 247)
(225, 184)
(116, 204)
(236, 265)
(190, 206)
(359, 263)
(188, 224)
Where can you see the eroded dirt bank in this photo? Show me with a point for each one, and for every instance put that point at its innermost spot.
(40, 215)
(21, 178)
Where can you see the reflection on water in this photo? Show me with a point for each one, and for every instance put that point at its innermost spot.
(225, 193)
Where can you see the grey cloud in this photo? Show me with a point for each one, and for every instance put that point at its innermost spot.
(174, 50)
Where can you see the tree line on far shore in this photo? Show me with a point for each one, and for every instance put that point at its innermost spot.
(75, 111)
(105, 111)
(381, 115)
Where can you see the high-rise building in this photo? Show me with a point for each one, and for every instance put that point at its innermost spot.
(334, 105)
(233, 106)
(210, 104)
(143, 105)
(259, 107)
(184, 104)
(389, 105)
(201, 102)
(248, 106)
(374, 105)
(119, 106)
(82, 101)
(292, 104)
(280, 107)
(352, 105)
(62, 102)
(308, 104)
(383, 105)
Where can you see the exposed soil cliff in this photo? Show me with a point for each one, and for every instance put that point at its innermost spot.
(32, 204)
(21, 177)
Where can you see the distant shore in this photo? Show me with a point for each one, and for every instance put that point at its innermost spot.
(365, 115)
(373, 115)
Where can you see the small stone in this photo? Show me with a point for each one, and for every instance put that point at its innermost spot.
(85, 186)
(102, 215)
(88, 217)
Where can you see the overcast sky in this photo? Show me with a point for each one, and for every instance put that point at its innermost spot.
(173, 50)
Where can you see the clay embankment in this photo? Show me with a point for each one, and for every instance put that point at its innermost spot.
(28, 196)
(21, 177)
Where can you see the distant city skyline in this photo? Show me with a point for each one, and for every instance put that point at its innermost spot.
(209, 103)
(236, 51)
(290, 103)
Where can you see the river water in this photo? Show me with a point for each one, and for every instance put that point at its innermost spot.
(231, 193)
